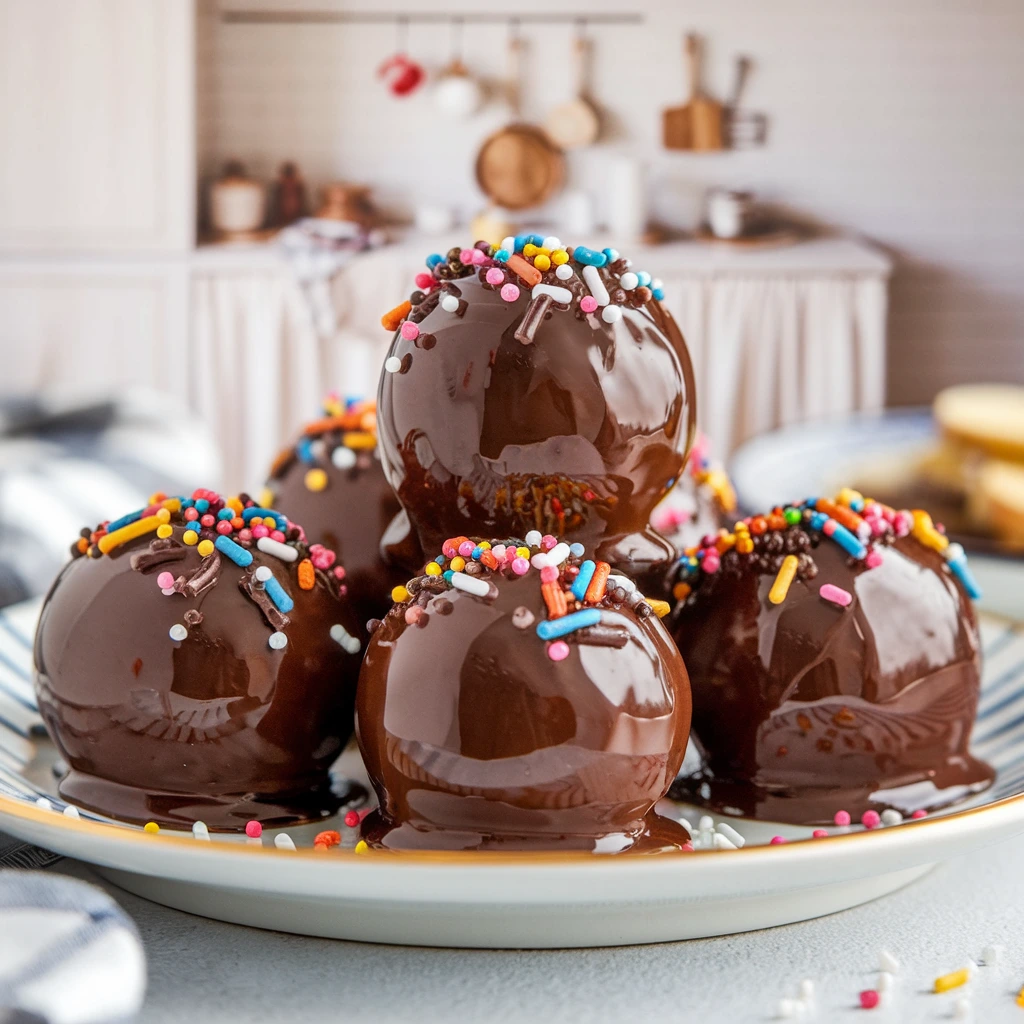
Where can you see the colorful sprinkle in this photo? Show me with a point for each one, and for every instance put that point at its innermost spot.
(510, 292)
(558, 651)
(253, 829)
(836, 595)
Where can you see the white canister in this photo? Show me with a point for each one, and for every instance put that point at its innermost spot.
(237, 202)
(729, 212)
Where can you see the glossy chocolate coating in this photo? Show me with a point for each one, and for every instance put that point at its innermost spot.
(805, 708)
(219, 726)
(480, 434)
(474, 738)
(349, 516)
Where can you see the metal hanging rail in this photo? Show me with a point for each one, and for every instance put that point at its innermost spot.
(257, 17)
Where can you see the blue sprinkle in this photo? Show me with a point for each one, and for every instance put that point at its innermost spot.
(810, 503)
(965, 576)
(582, 581)
(818, 520)
(132, 517)
(477, 552)
(857, 504)
(351, 400)
(304, 450)
(234, 551)
(248, 513)
(521, 240)
(433, 259)
(448, 574)
(551, 629)
(668, 486)
(643, 278)
(535, 239)
(658, 293)
(588, 257)
(576, 549)
(202, 505)
(502, 255)
(611, 254)
(440, 559)
(277, 594)
(187, 502)
(226, 513)
(193, 525)
(848, 541)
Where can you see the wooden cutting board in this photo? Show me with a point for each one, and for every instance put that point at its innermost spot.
(697, 124)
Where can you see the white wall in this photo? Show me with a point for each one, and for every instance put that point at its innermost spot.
(899, 119)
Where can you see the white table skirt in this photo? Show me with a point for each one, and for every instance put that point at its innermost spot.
(777, 336)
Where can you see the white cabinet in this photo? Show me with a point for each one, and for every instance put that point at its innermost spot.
(97, 125)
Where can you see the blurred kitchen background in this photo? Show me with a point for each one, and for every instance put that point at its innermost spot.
(840, 232)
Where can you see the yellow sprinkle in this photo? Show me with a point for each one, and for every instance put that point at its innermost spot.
(847, 496)
(137, 529)
(190, 537)
(952, 980)
(458, 563)
(266, 499)
(205, 548)
(164, 531)
(484, 545)
(1020, 998)
(559, 256)
(163, 515)
(358, 439)
(151, 826)
(256, 521)
(740, 527)
(681, 591)
(399, 594)
(236, 506)
(523, 552)
(925, 532)
(787, 572)
(660, 608)
(172, 504)
(744, 545)
(432, 569)
(542, 262)
(530, 249)
(361, 847)
(316, 480)
(156, 497)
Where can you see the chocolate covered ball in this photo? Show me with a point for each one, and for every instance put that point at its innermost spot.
(331, 482)
(520, 697)
(834, 657)
(196, 661)
(518, 395)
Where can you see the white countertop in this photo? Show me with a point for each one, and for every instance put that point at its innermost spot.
(205, 971)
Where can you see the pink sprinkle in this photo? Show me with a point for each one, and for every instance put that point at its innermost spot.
(413, 614)
(410, 331)
(260, 531)
(835, 594)
(494, 276)
(588, 303)
(466, 548)
(558, 651)
(902, 524)
(778, 840)
(253, 829)
(468, 256)
(874, 559)
(842, 818)
(520, 566)
(820, 833)
(351, 819)
(339, 572)
(223, 527)
(687, 847)
(245, 534)
(869, 999)
(510, 292)
(548, 574)
(547, 542)
(165, 580)
(363, 813)
(498, 551)
(919, 814)
(277, 535)
(710, 563)
(207, 520)
(424, 281)
(448, 549)
(191, 513)
(829, 528)
(871, 819)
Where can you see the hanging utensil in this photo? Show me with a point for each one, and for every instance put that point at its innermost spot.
(698, 123)
(744, 129)
(576, 122)
(457, 93)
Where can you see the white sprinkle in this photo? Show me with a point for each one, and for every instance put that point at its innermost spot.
(278, 641)
(611, 314)
(43, 804)
(533, 539)
(563, 272)
(71, 812)
(885, 982)
(552, 243)
(629, 280)
(343, 458)
(891, 817)
(263, 573)
(269, 546)
(887, 962)
(283, 841)
(177, 632)
(593, 279)
(706, 823)
(392, 364)
(614, 580)
(657, 283)
(540, 560)
(200, 831)
(730, 833)
(962, 1009)
(167, 591)
(558, 294)
(340, 635)
(470, 584)
(686, 824)
(508, 243)
(721, 843)
(954, 552)
(558, 554)
(807, 990)
(991, 955)
(787, 1009)
(450, 303)
(971, 968)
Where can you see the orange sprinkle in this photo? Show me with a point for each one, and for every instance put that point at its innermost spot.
(598, 582)
(321, 426)
(776, 522)
(554, 598)
(83, 545)
(527, 272)
(681, 591)
(758, 525)
(841, 514)
(486, 558)
(329, 838)
(725, 541)
(307, 575)
(390, 321)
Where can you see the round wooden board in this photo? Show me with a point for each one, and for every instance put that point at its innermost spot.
(518, 167)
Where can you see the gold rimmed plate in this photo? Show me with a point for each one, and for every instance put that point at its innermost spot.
(513, 900)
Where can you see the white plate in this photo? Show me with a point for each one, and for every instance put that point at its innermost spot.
(503, 901)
